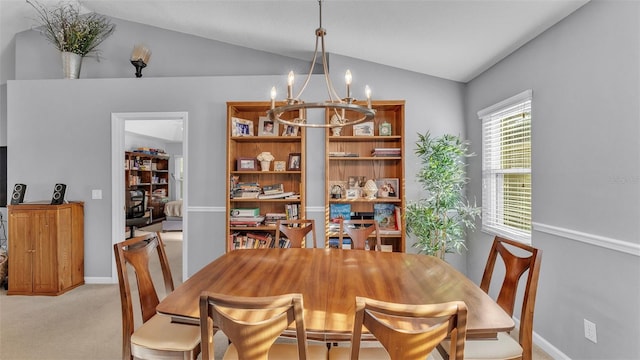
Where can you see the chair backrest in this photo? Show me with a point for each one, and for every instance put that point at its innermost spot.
(410, 331)
(136, 203)
(252, 324)
(296, 231)
(136, 252)
(515, 267)
(359, 232)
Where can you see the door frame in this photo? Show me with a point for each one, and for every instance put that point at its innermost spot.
(117, 178)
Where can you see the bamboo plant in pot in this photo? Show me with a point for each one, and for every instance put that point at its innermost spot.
(439, 222)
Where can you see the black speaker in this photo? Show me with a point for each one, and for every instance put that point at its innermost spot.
(18, 194)
(58, 194)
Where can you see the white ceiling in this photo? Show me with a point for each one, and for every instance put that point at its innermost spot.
(451, 39)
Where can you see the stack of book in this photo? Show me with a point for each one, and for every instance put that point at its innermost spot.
(245, 217)
(342, 154)
(246, 190)
(246, 220)
(271, 219)
(273, 189)
(385, 152)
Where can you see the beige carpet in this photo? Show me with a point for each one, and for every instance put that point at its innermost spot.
(84, 323)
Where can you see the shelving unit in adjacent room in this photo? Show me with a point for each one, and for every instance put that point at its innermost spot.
(150, 172)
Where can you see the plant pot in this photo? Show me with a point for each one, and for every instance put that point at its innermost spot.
(71, 63)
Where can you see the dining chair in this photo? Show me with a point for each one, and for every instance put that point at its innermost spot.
(406, 331)
(253, 324)
(157, 337)
(516, 263)
(296, 231)
(359, 232)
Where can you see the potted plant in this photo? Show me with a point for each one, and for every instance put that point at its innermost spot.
(439, 221)
(75, 35)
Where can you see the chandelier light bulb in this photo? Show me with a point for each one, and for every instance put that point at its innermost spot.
(367, 91)
(290, 79)
(347, 79)
(273, 97)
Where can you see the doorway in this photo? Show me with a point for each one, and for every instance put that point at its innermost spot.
(118, 121)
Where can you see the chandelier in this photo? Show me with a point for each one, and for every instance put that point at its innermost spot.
(294, 105)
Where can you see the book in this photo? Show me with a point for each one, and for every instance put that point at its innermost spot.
(273, 189)
(384, 214)
(241, 212)
(339, 211)
(275, 196)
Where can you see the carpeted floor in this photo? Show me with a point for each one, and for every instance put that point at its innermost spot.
(84, 323)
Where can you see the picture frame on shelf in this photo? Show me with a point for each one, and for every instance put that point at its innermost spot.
(241, 127)
(246, 164)
(388, 188)
(289, 130)
(337, 189)
(279, 165)
(364, 129)
(352, 194)
(267, 127)
(295, 160)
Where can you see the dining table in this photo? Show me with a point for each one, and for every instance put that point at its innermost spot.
(329, 281)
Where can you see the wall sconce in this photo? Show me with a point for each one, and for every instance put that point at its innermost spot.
(140, 58)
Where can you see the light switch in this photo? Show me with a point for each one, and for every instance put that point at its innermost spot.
(96, 194)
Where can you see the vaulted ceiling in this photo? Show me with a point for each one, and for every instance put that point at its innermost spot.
(451, 39)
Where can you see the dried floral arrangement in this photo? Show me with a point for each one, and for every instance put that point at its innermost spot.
(70, 31)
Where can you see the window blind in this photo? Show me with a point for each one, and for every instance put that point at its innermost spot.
(506, 168)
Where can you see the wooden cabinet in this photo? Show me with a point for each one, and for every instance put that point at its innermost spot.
(367, 152)
(46, 248)
(244, 172)
(150, 172)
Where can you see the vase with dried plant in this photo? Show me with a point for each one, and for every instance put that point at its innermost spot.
(75, 35)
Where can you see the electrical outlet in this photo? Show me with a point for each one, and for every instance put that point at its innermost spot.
(590, 331)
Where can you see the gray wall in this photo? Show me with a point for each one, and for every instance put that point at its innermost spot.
(584, 73)
(72, 118)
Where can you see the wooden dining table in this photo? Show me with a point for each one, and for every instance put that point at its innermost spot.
(330, 280)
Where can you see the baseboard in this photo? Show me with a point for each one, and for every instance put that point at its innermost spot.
(546, 346)
(98, 280)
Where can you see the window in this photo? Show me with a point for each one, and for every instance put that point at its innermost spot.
(506, 168)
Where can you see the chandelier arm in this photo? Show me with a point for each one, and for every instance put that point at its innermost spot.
(313, 64)
(333, 94)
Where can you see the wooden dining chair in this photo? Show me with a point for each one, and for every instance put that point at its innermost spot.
(406, 332)
(253, 324)
(296, 231)
(157, 337)
(524, 258)
(359, 232)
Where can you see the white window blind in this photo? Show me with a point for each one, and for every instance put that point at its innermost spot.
(506, 168)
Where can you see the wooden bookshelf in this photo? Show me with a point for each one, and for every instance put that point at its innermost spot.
(240, 146)
(350, 156)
